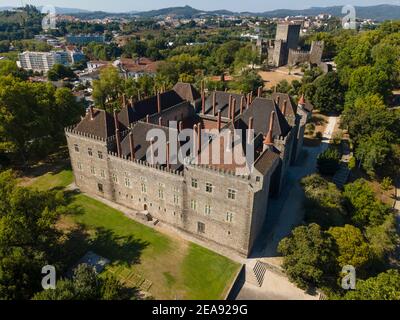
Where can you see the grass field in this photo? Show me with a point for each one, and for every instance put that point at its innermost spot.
(166, 266)
(51, 180)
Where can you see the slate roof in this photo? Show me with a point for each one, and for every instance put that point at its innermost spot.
(139, 131)
(265, 161)
(291, 109)
(260, 110)
(186, 91)
(222, 101)
(102, 125)
(148, 106)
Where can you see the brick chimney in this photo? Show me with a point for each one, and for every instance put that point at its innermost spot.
(167, 155)
(214, 102)
(158, 102)
(251, 127)
(277, 100)
(284, 107)
(147, 118)
(116, 122)
(233, 109)
(269, 140)
(123, 100)
(241, 105)
(160, 122)
(259, 92)
(118, 142)
(199, 137)
(248, 100)
(219, 121)
(91, 112)
(194, 139)
(203, 102)
(132, 146)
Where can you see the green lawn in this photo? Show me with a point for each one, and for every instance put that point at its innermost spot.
(166, 266)
(53, 180)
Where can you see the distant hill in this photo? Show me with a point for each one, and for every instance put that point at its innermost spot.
(377, 12)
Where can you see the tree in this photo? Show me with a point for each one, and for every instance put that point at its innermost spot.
(367, 80)
(59, 71)
(33, 115)
(8, 67)
(107, 89)
(249, 81)
(364, 208)
(383, 238)
(85, 284)
(309, 256)
(373, 151)
(324, 202)
(28, 236)
(329, 93)
(385, 286)
(368, 115)
(352, 247)
(328, 161)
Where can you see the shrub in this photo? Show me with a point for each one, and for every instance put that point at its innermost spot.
(352, 163)
(328, 161)
(387, 183)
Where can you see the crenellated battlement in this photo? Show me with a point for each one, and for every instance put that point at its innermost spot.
(71, 130)
(146, 164)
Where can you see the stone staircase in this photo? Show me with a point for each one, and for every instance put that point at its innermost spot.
(255, 275)
(341, 176)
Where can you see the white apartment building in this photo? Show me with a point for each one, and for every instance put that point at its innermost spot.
(42, 61)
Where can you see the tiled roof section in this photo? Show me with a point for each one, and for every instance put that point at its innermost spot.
(291, 109)
(186, 91)
(102, 124)
(144, 65)
(265, 161)
(126, 115)
(308, 106)
(139, 131)
(222, 102)
(260, 110)
(148, 106)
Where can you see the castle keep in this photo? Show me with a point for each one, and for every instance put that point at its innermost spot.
(210, 201)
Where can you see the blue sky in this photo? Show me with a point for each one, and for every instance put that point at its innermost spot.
(234, 5)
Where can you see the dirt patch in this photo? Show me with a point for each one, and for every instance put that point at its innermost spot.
(273, 77)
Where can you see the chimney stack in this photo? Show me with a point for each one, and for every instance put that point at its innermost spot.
(180, 126)
(147, 118)
(160, 121)
(199, 138)
(251, 124)
(91, 111)
(233, 109)
(277, 100)
(284, 107)
(116, 122)
(219, 121)
(241, 105)
(118, 141)
(158, 102)
(203, 102)
(259, 91)
(214, 102)
(132, 145)
(194, 139)
(168, 166)
(268, 140)
(123, 100)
